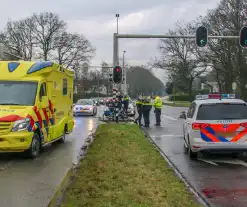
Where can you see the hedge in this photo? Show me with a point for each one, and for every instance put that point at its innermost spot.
(182, 97)
(186, 97)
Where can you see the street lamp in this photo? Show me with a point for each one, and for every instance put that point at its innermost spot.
(125, 74)
(117, 15)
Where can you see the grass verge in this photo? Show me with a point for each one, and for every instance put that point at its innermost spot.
(178, 103)
(122, 168)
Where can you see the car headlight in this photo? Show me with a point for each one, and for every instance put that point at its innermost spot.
(21, 125)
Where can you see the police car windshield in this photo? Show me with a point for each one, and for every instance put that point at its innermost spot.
(84, 102)
(222, 111)
(18, 93)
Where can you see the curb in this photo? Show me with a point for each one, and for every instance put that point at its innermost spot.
(199, 197)
(58, 196)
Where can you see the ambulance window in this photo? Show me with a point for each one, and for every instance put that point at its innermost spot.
(65, 87)
(42, 91)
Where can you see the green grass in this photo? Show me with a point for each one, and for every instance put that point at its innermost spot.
(179, 104)
(122, 168)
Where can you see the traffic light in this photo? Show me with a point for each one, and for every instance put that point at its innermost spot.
(243, 37)
(201, 36)
(117, 74)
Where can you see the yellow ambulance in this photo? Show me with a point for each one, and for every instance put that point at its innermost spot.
(36, 102)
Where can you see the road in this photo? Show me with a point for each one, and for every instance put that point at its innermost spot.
(31, 183)
(221, 179)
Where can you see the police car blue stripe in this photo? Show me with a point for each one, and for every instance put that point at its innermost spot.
(211, 131)
(205, 138)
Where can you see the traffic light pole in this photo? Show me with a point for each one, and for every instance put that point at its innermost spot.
(148, 36)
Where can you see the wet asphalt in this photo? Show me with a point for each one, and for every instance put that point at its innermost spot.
(220, 178)
(32, 183)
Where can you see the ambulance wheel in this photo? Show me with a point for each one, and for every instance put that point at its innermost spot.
(63, 137)
(35, 147)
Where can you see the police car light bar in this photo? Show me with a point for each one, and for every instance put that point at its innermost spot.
(215, 96)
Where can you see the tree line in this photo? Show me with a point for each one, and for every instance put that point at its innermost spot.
(44, 36)
(223, 59)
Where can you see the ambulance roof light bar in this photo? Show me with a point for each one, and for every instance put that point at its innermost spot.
(215, 96)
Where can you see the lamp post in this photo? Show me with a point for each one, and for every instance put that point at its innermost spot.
(117, 15)
(125, 74)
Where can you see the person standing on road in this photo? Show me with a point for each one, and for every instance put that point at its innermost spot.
(119, 96)
(139, 105)
(126, 102)
(157, 108)
(147, 106)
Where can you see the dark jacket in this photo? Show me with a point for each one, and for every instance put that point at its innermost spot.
(126, 101)
(147, 106)
(139, 104)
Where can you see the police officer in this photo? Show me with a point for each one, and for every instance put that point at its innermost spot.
(157, 108)
(126, 102)
(139, 105)
(119, 96)
(147, 106)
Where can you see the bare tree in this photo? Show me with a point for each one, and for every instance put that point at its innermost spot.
(72, 48)
(19, 38)
(47, 27)
(227, 55)
(177, 56)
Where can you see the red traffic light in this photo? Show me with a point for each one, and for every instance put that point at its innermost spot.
(118, 69)
(117, 74)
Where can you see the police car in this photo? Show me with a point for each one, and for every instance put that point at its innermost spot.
(215, 122)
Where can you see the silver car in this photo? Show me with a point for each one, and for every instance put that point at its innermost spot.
(85, 107)
(131, 109)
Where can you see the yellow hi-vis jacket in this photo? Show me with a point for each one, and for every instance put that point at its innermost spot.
(157, 103)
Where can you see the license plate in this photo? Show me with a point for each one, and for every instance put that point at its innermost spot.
(226, 134)
(83, 111)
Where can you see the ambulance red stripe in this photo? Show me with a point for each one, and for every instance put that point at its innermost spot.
(38, 116)
(52, 111)
(32, 122)
(46, 116)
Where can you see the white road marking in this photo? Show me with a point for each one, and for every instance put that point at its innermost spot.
(208, 161)
(166, 135)
(171, 135)
(234, 162)
(169, 117)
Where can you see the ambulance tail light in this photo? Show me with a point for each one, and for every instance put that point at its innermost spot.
(244, 125)
(198, 126)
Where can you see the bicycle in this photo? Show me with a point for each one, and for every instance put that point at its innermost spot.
(121, 114)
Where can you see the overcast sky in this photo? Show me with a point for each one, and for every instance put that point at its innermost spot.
(97, 21)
